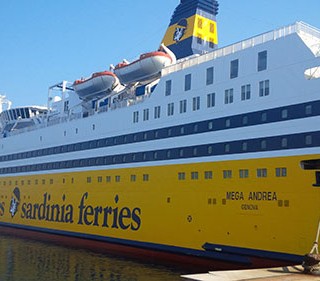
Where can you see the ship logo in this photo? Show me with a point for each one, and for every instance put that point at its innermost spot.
(14, 203)
(180, 30)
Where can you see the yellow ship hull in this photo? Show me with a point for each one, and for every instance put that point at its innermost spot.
(211, 211)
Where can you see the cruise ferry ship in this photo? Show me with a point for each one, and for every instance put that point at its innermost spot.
(191, 153)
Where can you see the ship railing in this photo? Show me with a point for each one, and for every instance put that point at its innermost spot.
(248, 43)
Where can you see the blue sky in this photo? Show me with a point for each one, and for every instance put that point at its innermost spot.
(43, 42)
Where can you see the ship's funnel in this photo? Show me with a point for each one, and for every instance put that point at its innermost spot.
(193, 28)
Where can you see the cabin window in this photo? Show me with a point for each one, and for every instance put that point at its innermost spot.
(262, 60)
(228, 96)
(89, 180)
(243, 173)
(211, 100)
(245, 120)
(157, 111)
(136, 117)
(145, 177)
(196, 103)
(170, 110)
(183, 106)
(245, 92)
(194, 175)
(200, 22)
(181, 176)
(211, 27)
(308, 109)
(146, 114)
(262, 173)
(284, 113)
(308, 140)
(117, 178)
(227, 174)
(168, 88)
(234, 69)
(133, 178)
(208, 175)
(210, 77)
(281, 172)
(108, 178)
(284, 142)
(187, 82)
(264, 88)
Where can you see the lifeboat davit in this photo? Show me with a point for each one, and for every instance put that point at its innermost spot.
(147, 67)
(98, 85)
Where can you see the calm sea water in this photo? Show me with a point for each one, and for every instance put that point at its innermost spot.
(27, 260)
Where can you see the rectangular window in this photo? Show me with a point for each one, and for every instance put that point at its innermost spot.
(262, 60)
(157, 111)
(243, 173)
(281, 172)
(136, 117)
(181, 176)
(99, 179)
(234, 69)
(246, 92)
(211, 100)
(117, 178)
(210, 77)
(170, 109)
(262, 173)
(227, 174)
(264, 88)
(145, 177)
(183, 106)
(208, 175)
(133, 178)
(196, 103)
(168, 87)
(194, 175)
(187, 82)
(89, 180)
(228, 96)
(146, 114)
(108, 178)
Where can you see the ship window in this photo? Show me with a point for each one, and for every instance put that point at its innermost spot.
(210, 76)
(264, 88)
(234, 68)
(182, 130)
(211, 27)
(136, 117)
(181, 152)
(243, 173)
(117, 178)
(308, 140)
(211, 100)
(228, 123)
(281, 172)
(196, 103)
(211, 45)
(227, 174)
(194, 175)
(108, 178)
(168, 87)
(245, 120)
(262, 173)
(170, 111)
(284, 113)
(145, 177)
(199, 39)
(210, 149)
(228, 96)
(227, 148)
(263, 144)
(210, 125)
(208, 175)
(262, 61)
(146, 114)
(245, 92)
(183, 106)
(99, 179)
(200, 23)
(264, 117)
(308, 109)
(77, 130)
(157, 111)
(93, 127)
(181, 176)
(284, 142)
(187, 82)
(133, 178)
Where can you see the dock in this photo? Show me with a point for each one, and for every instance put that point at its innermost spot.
(288, 273)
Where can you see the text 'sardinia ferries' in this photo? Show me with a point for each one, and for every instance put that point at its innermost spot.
(191, 153)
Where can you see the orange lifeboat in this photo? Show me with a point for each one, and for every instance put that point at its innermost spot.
(98, 85)
(147, 67)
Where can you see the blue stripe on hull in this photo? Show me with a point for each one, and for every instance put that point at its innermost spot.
(227, 254)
